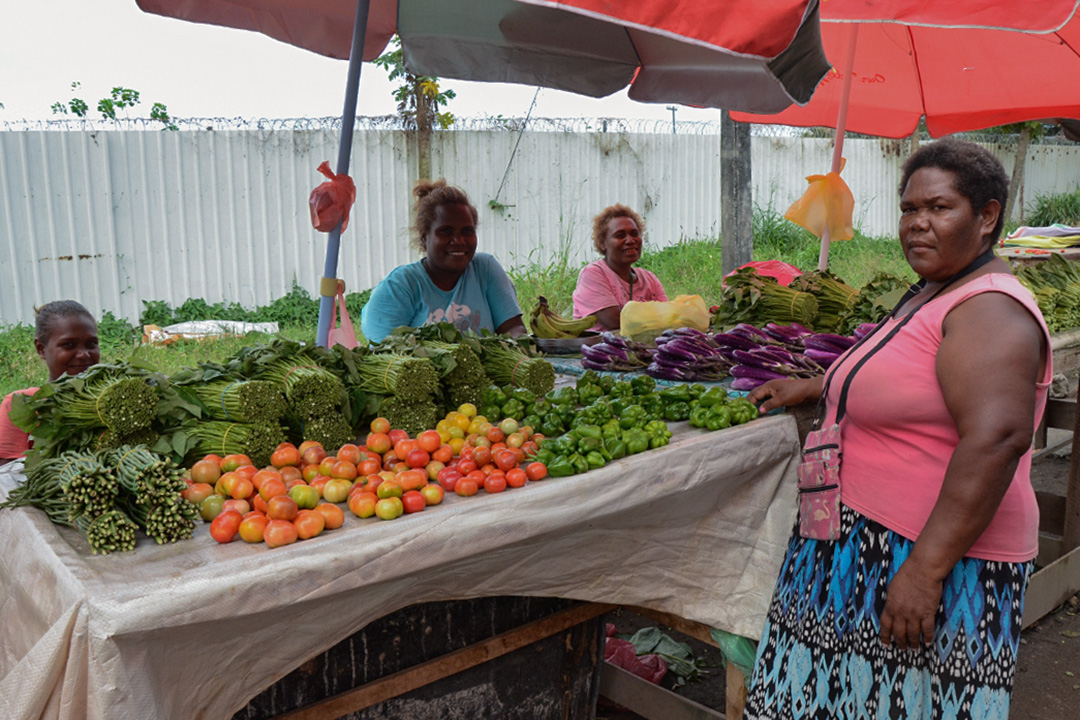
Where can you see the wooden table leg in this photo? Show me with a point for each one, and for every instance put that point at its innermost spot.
(736, 692)
(1070, 535)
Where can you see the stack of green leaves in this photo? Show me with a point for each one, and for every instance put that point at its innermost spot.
(1055, 283)
(256, 440)
(310, 390)
(834, 296)
(247, 401)
(748, 297)
(455, 354)
(410, 379)
(508, 361)
(874, 301)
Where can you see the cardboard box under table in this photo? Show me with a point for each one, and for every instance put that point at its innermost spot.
(197, 629)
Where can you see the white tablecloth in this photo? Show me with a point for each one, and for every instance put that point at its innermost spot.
(195, 629)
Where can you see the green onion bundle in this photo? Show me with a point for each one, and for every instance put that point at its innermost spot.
(109, 532)
(246, 401)
(759, 300)
(124, 405)
(331, 430)
(256, 440)
(507, 364)
(410, 379)
(833, 295)
(412, 417)
(309, 389)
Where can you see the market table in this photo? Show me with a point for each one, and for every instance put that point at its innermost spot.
(196, 629)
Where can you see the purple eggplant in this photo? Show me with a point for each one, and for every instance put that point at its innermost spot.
(821, 357)
(749, 331)
(673, 349)
(746, 384)
(690, 332)
(664, 372)
(746, 371)
(737, 342)
(841, 341)
(864, 330)
(818, 342)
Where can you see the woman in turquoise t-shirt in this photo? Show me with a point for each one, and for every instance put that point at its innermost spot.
(452, 282)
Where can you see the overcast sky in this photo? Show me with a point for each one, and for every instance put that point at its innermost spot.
(202, 71)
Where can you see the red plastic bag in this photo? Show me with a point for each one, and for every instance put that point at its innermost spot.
(345, 335)
(621, 653)
(331, 202)
(783, 272)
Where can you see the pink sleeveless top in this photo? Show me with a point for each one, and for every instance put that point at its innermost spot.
(898, 435)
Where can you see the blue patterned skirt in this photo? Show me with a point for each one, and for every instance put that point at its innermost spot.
(821, 657)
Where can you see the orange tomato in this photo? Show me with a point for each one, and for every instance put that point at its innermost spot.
(197, 492)
(258, 503)
(279, 532)
(326, 467)
(320, 482)
(429, 441)
(205, 471)
(214, 458)
(304, 446)
(466, 486)
(247, 471)
(443, 454)
(252, 527)
(308, 524)
(291, 472)
(281, 507)
(238, 504)
(310, 472)
(536, 471)
(231, 462)
(285, 456)
(495, 482)
(223, 528)
(362, 504)
(402, 448)
(380, 425)
(369, 466)
(344, 469)
(242, 488)
(314, 455)
(262, 476)
(333, 516)
(349, 452)
(433, 494)
(272, 487)
(495, 435)
(412, 480)
(516, 477)
(378, 442)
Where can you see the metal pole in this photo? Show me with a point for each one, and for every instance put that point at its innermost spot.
(348, 120)
(672, 108)
(838, 138)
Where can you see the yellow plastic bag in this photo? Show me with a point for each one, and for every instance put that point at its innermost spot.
(643, 321)
(827, 202)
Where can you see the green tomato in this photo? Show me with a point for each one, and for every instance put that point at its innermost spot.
(211, 507)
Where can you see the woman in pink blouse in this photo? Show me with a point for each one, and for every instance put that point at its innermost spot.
(604, 286)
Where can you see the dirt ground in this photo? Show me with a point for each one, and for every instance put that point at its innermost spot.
(1048, 672)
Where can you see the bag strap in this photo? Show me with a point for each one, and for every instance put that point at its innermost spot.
(841, 405)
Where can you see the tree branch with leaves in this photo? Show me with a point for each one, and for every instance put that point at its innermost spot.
(120, 98)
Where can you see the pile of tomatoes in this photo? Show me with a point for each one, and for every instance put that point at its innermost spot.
(297, 496)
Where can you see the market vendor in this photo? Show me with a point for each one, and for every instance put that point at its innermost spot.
(604, 286)
(452, 282)
(902, 593)
(65, 336)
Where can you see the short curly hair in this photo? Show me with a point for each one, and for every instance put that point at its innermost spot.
(600, 223)
(429, 196)
(48, 317)
(980, 177)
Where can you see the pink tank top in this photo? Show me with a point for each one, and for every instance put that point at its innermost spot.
(898, 435)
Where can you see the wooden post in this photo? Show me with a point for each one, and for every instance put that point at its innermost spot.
(1070, 535)
(736, 196)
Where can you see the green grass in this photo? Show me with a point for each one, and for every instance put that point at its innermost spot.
(1050, 209)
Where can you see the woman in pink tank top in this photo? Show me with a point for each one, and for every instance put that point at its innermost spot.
(915, 610)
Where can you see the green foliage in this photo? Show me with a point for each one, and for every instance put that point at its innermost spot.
(120, 98)
(296, 307)
(1062, 208)
(418, 97)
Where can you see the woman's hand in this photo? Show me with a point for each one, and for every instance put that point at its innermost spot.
(514, 327)
(785, 393)
(911, 603)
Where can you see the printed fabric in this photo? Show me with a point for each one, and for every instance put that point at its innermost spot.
(483, 299)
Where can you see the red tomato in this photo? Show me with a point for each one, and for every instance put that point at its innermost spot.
(536, 471)
(319, 483)
(231, 462)
(314, 455)
(344, 469)
(285, 456)
(379, 442)
(477, 476)
(482, 456)
(413, 502)
(370, 466)
(307, 444)
(272, 487)
(505, 460)
(429, 441)
(448, 478)
(466, 466)
(380, 425)
(443, 454)
(516, 477)
(495, 435)
(362, 504)
(240, 505)
(466, 486)
(290, 473)
(242, 488)
(223, 528)
(495, 482)
(279, 532)
(417, 458)
(308, 524)
(332, 515)
(252, 527)
(349, 452)
(205, 471)
(197, 492)
(396, 435)
(281, 507)
(433, 494)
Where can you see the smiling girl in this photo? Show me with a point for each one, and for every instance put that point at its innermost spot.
(65, 336)
(452, 282)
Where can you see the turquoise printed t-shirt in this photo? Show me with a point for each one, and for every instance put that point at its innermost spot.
(483, 298)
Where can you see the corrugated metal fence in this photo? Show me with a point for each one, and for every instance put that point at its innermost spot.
(113, 218)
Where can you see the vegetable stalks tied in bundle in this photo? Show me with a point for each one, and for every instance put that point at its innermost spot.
(42, 490)
(874, 301)
(412, 417)
(748, 296)
(109, 532)
(124, 405)
(109, 440)
(150, 478)
(1055, 283)
(309, 389)
(506, 363)
(331, 430)
(833, 295)
(245, 401)
(465, 383)
(256, 440)
(688, 354)
(409, 379)
(89, 488)
(168, 521)
(617, 354)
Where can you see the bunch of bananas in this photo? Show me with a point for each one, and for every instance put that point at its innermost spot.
(548, 324)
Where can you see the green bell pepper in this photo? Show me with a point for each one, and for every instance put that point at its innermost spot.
(589, 444)
(675, 393)
(589, 376)
(633, 416)
(677, 411)
(658, 433)
(492, 412)
(713, 396)
(545, 456)
(595, 460)
(494, 396)
(527, 397)
(579, 462)
(616, 449)
(552, 425)
(513, 408)
(637, 440)
(696, 390)
(699, 416)
(533, 421)
(541, 407)
(621, 388)
(563, 396)
(588, 393)
(606, 382)
(643, 385)
(718, 418)
(561, 466)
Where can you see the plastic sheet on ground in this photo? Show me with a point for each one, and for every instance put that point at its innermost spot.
(196, 629)
(203, 329)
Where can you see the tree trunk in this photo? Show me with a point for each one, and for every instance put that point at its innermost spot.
(424, 121)
(736, 196)
(1016, 186)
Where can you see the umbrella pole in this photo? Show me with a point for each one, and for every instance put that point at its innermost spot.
(838, 138)
(348, 120)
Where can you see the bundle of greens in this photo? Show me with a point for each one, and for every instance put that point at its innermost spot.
(1055, 283)
(88, 485)
(507, 361)
(247, 401)
(309, 389)
(256, 440)
(833, 295)
(331, 430)
(109, 440)
(874, 301)
(756, 299)
(112, 531)
(466, 379)
(410, 379)
(166, 521)
(145, 476)
(412, 417)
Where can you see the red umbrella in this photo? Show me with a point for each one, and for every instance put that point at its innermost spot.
(758, 55)
(961, 66)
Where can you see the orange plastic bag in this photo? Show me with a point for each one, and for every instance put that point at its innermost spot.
(345, 335)
(826, 203)
(331, 202)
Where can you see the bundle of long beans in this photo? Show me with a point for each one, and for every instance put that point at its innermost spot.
(309, 389)
(108, 440)
(89, 487)
(1055, 283)
(331, 430)
(413, 417)
(245, 401)
(410, 379)
(834, 296)
(122, 404)
(111, 531)
(42, 490)
(507, 363)
(166, 521)
(256, 440)
(149, 478)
